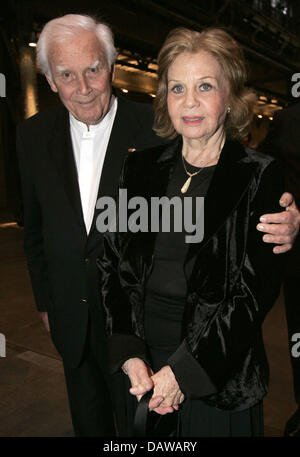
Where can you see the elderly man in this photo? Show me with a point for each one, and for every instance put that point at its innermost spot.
(70, 155)
(283, 142)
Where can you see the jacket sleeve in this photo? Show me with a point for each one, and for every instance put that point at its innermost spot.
(203, 367)
(33, 231)
(274, 141)
(122, 340)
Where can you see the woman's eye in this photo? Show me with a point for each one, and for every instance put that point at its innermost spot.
(205, 86)
(177, 89)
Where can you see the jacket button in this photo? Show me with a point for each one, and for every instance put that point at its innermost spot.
(84, 300)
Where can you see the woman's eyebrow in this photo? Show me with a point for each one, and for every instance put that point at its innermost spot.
(198, 79)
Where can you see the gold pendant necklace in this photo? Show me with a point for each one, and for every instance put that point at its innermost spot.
(187, 183)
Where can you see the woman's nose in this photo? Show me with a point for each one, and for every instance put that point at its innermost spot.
(191, 98)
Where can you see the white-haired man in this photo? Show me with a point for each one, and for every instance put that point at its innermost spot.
(69, 155)
(65, 152)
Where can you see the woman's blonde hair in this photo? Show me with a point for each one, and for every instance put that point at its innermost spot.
(228, 54)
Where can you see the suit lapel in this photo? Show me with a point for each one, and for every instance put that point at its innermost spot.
(61, 152)
(121, 138)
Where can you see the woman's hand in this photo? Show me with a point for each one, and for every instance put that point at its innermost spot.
(166, 387)
(140, 374)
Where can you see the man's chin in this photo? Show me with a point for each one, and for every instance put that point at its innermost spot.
(90, 120)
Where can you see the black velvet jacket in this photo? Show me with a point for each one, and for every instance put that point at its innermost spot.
(233, 277)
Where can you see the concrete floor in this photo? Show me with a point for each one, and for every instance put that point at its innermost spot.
(33, 399)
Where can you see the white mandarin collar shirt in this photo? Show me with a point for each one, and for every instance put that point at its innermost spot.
(89, 147)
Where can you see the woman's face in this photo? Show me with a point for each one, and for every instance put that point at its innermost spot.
(197, 95)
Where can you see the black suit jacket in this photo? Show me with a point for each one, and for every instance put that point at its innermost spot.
(233, 278)
(61, 257)
(283, 142)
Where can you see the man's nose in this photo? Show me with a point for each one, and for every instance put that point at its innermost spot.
(83, 85)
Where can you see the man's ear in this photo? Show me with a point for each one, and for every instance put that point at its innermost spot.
(112, 75)
(51, 83)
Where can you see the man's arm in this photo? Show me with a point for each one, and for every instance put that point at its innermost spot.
(279, 228)
(33, 238)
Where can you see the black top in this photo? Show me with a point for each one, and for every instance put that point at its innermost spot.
(166, 286)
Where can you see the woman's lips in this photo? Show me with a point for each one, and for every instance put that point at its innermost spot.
(192, 120)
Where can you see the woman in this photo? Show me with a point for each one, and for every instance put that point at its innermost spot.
(184, 318)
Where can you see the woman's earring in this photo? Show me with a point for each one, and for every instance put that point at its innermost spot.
(228, 109)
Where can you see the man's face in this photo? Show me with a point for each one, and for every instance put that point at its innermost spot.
(81, 76)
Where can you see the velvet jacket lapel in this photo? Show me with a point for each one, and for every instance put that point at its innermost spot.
(61, 152)
(155, 185)
(231, 179)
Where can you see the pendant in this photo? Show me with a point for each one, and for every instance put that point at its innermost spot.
(186, 185)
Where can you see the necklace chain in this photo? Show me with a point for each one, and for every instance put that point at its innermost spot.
(187, 183)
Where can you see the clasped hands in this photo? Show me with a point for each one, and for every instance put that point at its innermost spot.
(167, 395)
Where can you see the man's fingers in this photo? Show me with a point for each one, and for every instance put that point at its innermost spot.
(276, 229)
(282, 249)
(285, 217)
(276, 239)
(286, 199)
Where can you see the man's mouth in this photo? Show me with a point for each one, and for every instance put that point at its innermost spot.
(86, 102)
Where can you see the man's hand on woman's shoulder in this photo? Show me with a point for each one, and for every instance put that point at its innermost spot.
(281, 228)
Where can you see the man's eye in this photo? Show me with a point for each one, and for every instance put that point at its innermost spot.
(66, 75)
(205, 86)
(177, 89)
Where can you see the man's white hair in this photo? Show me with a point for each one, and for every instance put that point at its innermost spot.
(65, 27)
